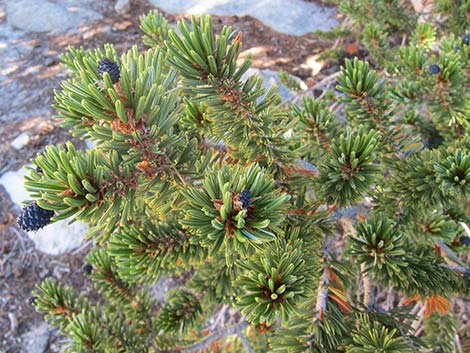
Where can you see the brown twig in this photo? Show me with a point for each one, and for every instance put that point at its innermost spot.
(245, 343)
(215, 336)
(322, 294)
(324, 82)
(461, 269)
(450, 253)
(220, 318)
(368, 290)
(417, 323)
(458, 344)
(390, 299)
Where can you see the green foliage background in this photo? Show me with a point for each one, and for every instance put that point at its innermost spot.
(182, 135)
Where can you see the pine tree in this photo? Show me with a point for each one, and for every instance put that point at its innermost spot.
(334, 225)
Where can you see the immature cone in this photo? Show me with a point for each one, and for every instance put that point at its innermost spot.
(87, 269)
(466, 39)
(465, 240)
(245, 198)
(109, 66)
(434, 69)
(33, 217)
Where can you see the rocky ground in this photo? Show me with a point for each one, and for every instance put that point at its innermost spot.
(32, 35)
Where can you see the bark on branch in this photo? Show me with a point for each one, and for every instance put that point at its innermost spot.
(368, 290)
(215, 336)
(322, 295)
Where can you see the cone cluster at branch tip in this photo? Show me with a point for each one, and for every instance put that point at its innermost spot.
(33, 217)
(109, 66)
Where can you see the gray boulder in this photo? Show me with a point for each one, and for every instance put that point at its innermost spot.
(45, 16)
(294, 17)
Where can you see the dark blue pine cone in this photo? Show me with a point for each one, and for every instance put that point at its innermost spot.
(87, 269)
(464, 240)
(466, 39)
(434, 69)
(33, 217)
(32, 300)
(109, 66)
(245, 198)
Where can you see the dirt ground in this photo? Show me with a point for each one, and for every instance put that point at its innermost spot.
(29, 92)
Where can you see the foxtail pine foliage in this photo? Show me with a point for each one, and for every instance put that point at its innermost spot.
(336, 224)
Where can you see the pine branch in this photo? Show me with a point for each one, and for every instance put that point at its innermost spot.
(213, 337)
(450, 253)
(417, 323)
(462, 269)
(325, 82)
(322, 294)
(245, 343)
(208, 64)
(219, 147)
(220, 318)
(369, 300)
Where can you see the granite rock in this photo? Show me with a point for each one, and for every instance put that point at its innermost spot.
(294, 17)
(46, 16)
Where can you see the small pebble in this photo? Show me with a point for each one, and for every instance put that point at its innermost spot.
(20, 141)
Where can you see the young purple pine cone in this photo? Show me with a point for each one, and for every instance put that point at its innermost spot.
(109, 66)
(245, 198)
(33, 217)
